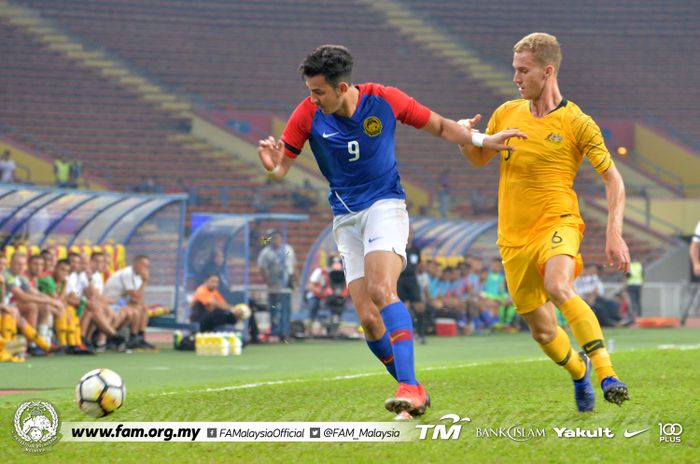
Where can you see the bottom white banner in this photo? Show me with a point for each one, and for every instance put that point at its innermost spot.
(239, 431)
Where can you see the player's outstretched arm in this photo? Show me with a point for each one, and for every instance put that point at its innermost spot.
(480, 155)
(271, 153)
(461, 133)
(615, 247)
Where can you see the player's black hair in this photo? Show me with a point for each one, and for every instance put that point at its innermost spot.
(334, 62)
(62, 262)
(33, 257)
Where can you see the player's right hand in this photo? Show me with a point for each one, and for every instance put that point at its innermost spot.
(270, 152)
(470, 123)
(499, 141)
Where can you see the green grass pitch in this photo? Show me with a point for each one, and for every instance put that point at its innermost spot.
(497, 381)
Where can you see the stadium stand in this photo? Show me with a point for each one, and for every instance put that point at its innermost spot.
(213, 54)
(602, 52)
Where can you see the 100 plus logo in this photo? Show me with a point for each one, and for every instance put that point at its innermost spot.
(670, 433)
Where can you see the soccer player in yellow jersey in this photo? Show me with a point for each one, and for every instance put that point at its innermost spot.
(539, 223)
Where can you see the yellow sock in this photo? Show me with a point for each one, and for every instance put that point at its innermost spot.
(42, 343)
(2, 344)
(29, 332)
(31, 335)
(73, 329)
(589, 335)
(559, 350)
(9, 327)
(61, 327)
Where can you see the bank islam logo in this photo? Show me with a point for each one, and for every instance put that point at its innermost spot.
(36, 426)
(514, 432)
(440, 431)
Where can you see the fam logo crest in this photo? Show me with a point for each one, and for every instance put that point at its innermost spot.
(554, 138)
(372, 126)
(36, 426)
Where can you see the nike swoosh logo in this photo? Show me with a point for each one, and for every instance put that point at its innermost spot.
(325, 136)
(555, 246)
(392, 339)
(632, 434)
(374, 239)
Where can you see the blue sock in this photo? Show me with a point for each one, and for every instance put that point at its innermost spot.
(382, 350)
(399, 326)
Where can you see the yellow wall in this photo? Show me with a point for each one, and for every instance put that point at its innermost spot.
(41, 168)
(682, 213)
(244, 150)
(672, 157)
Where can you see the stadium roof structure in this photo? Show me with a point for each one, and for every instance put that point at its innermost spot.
(66, 216)
(237, 237)
(149, 224)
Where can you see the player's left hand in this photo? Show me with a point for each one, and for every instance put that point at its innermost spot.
(499, 141)
(617, 253)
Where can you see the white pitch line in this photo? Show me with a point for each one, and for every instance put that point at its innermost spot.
(371, 374)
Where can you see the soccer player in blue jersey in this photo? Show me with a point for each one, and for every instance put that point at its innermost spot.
(351, 132)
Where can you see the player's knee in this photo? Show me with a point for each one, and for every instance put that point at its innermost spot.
(28, 308)
(558, 290)
(380, 293)
(544, 334)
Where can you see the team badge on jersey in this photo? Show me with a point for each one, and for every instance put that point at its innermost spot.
(554, 138)
(372, 126)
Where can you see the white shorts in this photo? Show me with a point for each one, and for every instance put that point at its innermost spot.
(381, 227)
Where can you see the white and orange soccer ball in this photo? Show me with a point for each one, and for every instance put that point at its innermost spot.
(100, 392)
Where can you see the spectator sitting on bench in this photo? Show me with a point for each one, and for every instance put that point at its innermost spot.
(210, 309)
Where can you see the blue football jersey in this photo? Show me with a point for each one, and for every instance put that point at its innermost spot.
(356, 154)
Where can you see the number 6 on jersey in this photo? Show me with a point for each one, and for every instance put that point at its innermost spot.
(354, 149)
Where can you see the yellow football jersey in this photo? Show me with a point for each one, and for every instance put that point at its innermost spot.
(537, 179)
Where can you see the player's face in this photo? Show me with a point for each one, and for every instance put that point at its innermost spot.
(18, 264)
(36, 266)
(213, 283)
(61, 272)
(529, 75)
(329, 99)
(97, 263)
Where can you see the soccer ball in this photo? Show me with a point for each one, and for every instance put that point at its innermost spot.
(100, 392)
(244, 310)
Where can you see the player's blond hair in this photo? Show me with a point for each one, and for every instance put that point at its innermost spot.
(544, 46)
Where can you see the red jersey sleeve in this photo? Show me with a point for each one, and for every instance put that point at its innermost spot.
(406, 108)
(298, 128)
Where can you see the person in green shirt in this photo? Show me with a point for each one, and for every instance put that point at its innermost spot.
(61, 171)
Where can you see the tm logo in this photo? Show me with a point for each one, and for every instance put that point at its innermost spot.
(440, 431)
